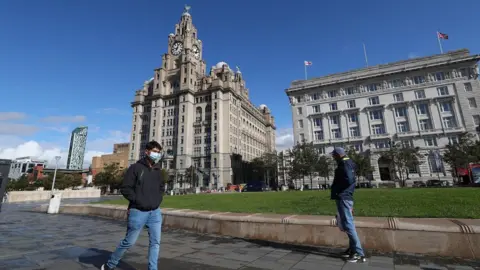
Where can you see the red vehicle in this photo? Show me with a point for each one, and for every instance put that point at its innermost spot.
(470, 175)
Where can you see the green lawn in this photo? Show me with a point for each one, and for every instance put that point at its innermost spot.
(409, 202)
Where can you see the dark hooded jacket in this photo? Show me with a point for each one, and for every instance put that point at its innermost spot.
(344, 180)
(143, 186)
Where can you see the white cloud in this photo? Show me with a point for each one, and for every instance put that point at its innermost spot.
(412, 55)
(64, 119)
(16, 129)
(284, 138)
(8, 116)
(12, 147)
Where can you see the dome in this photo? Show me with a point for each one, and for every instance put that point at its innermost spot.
(171, 34)
(263, 106)
(221, 64)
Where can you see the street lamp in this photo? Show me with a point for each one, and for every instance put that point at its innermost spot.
(57, 158)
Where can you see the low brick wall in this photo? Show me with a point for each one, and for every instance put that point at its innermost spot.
(438, 237)
(25, 196)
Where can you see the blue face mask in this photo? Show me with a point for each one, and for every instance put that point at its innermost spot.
(155, 156)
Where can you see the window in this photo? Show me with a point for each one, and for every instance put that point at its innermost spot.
(378, 129)
(373, 101)
(334, 120)
(425, 124)
(299, 110)
(372, 87)
(422, 109)
(445, 107)
(440, 76)
(418, 79)
(472, 103)
(215, 116)
(315, 96)
(215, 105)
(351, 104)
(300, 123)
(302, 137)
(336, 133)
(376, 115)
(468, 87)
(316, 109)
(332, 94)
(358, 147)
(395, 83)
(419, 94)
(398, 97)
(406, 143)
(317, 122)
(214, 162)
(333, 107)
(350, 91)
(401, 112)
(352, 118)
(402, 126)
(382, 145)
(453, 140)
(442, 91)
(449, 122)
(318, 135)
(476, 120)
(354, 132)
(298, 98)
(429, 142)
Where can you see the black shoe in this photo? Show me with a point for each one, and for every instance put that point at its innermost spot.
(105, 267)
(346, 254)
(356, 258)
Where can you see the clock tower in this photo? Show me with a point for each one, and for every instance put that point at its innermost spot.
(182, 64)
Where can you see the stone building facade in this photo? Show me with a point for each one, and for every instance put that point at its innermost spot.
(423, 102)
(205, 121)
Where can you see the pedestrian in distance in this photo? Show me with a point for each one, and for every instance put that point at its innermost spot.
(342, 191)
(143, 186)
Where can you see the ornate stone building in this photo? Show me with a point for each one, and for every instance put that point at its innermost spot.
(424, 102)
(205, 121)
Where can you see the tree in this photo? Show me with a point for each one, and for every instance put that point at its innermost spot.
(110, 178)
(19, 184)
(363, 167)
(324, 167)
(305, 160)
(461, 154)
(402, 158)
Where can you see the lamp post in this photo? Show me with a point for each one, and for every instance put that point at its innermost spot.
(57, 158)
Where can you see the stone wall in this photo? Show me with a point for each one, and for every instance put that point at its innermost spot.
(437, 237)
(25, 196)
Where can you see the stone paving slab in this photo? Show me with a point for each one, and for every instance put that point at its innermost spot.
(37, 241)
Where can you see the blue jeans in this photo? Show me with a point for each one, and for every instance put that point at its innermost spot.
(344, 208)
(137, 220)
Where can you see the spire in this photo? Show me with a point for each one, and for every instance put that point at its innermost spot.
(186, 11)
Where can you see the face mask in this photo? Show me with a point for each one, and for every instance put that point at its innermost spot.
(155, 156)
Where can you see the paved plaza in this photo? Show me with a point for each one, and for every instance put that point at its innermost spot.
(39, 241)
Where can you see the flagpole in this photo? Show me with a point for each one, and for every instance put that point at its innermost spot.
(365, 53)
(305, 65)
(439, 42)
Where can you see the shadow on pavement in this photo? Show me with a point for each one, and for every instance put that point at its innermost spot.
(96, 257)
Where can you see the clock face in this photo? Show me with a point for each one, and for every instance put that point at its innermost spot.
(196, 51)
(177, 48)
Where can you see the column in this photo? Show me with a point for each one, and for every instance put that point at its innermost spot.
(363, 118)
(389, 125)
(440, 115)
(456, 113)
(326, 127)
(434, 117)
(413, 118)
(343, 125)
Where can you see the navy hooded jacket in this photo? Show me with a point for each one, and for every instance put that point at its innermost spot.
(344, 180)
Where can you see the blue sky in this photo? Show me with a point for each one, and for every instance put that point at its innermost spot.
(65, 63)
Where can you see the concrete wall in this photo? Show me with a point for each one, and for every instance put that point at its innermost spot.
(25, 196)
(437, 237)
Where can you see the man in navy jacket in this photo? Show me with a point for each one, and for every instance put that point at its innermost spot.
(342, 191)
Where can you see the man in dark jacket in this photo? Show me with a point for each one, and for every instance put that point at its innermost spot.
(143, 186)
(342, 192)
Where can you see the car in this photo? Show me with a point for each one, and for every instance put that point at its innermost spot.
(419, 184)
(256, 186)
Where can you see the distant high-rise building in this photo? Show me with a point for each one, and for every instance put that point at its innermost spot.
(76, 151)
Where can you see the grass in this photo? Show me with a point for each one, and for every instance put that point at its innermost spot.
(408, 202)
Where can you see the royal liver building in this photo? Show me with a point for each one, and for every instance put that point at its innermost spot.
(205, 121)
(424, 102)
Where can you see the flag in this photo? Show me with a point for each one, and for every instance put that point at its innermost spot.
(442, 35)
(308, 63)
